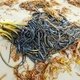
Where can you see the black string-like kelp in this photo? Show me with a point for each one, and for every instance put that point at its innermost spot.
(42, 34)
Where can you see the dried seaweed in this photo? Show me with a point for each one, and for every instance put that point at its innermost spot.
(43, 34)
(34, 5)
(35, 73)
(8, 2)
(74, 2)
(41, 37)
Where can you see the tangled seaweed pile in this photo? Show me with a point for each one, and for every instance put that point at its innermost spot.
(41, 35)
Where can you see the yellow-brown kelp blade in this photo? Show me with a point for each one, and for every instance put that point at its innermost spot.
(3, 34)
(9, 27)
(2, 31)
(13, 24)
